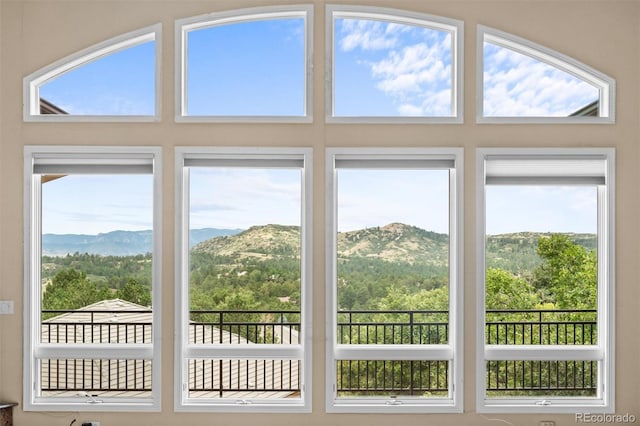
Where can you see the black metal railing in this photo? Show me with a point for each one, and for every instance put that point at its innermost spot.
(393, 327)
(541, 327)
(220, 378)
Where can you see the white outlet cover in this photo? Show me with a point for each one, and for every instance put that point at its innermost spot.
(6, 307)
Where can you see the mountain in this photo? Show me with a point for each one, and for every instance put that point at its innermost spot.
(395, 243)
(258, 242)
(116, 243)
(517, 252)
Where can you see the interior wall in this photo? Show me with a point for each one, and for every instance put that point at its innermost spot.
(601, 33)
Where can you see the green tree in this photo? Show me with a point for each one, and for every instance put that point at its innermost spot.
(135, 292)
(507, 291)
(568, 275)
(70, 289)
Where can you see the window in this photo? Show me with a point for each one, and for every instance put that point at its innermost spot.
(393, 66)
(112, 81)
(545, 246)
(249, 64)
(394, 273)
(92, 278)
(243, 299)
(525, 82)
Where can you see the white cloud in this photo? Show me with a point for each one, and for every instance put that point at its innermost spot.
(411, 65)
(369, 35)
(517, 85)
(411, 68)
(240, 198)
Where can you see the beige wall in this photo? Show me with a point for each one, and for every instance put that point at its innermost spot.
(601, 33)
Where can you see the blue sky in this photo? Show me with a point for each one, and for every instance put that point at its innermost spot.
(122, 83)
(368, 198)
(541, 209)
(239, 198)
(232, 198)
(258, 68)
(519, 86)
(93, 204)
(381, 68)
(249, 68)
(389, 69)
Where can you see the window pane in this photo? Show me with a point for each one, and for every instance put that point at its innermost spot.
(393, 256)
(244, 378)
(94, 379)
(517, 85)
(391, 69)
(366, 378)
(245, 287)
(251, 68)
(542, 378)
(121, 83)
(542, 265)
(96, 258)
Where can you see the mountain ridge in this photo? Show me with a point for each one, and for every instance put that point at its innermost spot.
(117, 243)
(395, 242)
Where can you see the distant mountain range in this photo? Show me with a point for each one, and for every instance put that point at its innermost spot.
(395, 242)
(117, 243)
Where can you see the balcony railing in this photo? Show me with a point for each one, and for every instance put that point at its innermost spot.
(218, 378)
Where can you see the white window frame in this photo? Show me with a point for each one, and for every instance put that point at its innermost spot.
(605, 85)
(384, 158)
(603, 351)
(253, 157)
(453, 26)
(186, 25)
(32, 82)
(81, 160)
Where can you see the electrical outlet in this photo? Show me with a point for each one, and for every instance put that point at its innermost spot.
(547, 423)
(6, 307)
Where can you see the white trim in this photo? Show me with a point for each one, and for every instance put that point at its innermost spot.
(453, 26)
(34, 350)
(185, 25)
(451, 352)
(606, 85)
(603, 352)
(221, 351)
(32, 82)
(542, 353)
(255, 157)
(394, 352)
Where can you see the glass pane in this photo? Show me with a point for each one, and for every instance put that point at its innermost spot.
(391, 69)
(245, 287)
(517, 85)
(393, 256)
(542, 265)
(254, 68)
(542, 378)
(366, 378)
(244, 378)
(93, 379)
(96, 258)
(122, 83)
